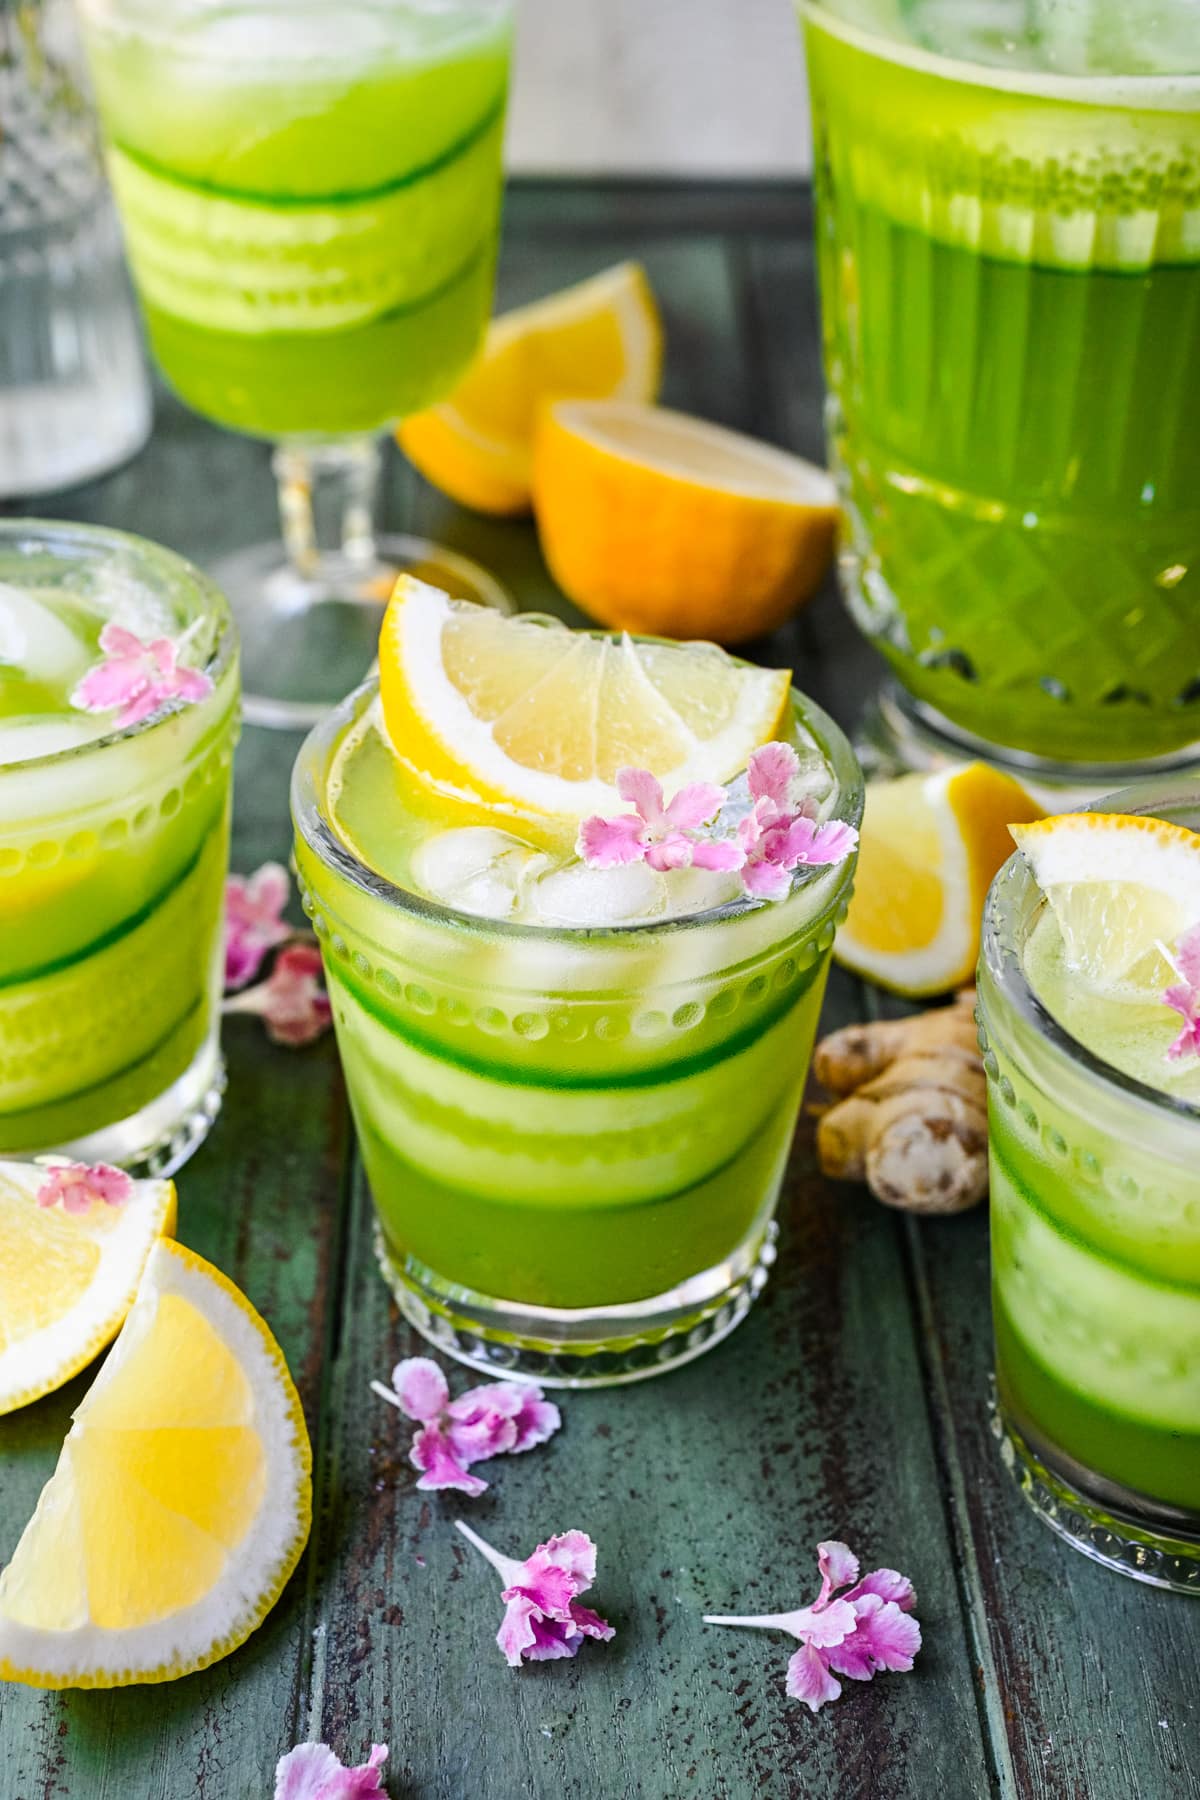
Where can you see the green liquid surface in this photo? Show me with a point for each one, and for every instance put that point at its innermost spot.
(311, 209)
(1011, 293)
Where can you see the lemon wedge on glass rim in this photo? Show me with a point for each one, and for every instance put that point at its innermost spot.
(1121, 887)
(181, 1501)
(526, 718)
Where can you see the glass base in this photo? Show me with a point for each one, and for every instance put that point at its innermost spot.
(1111, 1525)
(593, 1347)
(901, 733)
(159, 1139)
(309, 639)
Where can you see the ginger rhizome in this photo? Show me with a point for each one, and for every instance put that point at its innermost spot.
(911, 1120)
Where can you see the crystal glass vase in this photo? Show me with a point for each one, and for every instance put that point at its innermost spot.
(1008, 232)
(310, 193)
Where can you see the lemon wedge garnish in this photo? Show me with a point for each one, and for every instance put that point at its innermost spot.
(67, 1280)
(1120, 885)
(601, 337)
(181, 1501)
(520, 716)
(929, 848)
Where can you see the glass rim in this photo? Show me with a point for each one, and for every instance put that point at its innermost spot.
(999, 954)
(311, 822)
(1098, 89)
(147, 553)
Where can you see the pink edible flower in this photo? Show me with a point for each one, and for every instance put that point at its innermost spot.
(1184, 996)
(254, 921)
(80, 1185)
(138, 678)
(502, 1418)
(857, 1632)
(313, 1772)
(660, 836)
(292, 1001)
(543, 1619)
(772, 848)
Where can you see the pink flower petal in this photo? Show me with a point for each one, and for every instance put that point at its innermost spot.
(433, 1454)
(837, 1563)
(296, 1008)
(695, 805)
(573, 1551)
(808, 1679)
(481, 1435)
(766, 881)
(109, 685)
(144, 705)
(116, 641)
(832, 843)
(1187, 1043)
(825, 1622)
(421, 1388)
(891, 1637)
(639, 788)
(254, 920)
(313, 1772)
(79, 1186)
(590, 1623)
(718, 854)
(536, 1422)
(192, 685)
(610, 843)
(673, 851)
(1187, 957)
(518, 1637)
(161, 652)
(771, 772)
(889, 1584)
(534, 1418)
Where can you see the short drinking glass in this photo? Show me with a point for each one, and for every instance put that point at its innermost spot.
(1095, 1199)
(113, 850)
(575, 1137)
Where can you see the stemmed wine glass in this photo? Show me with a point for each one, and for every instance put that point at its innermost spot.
(310, 194)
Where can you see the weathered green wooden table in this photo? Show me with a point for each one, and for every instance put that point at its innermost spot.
(852, 1403)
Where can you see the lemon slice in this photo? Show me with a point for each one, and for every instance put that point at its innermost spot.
(181, 1501)
(67, 1280)
(661, 523)
(1119, 886)
(929, 847)
(523, 716)
(600, 337)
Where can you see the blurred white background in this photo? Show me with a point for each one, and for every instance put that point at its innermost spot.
(631, 87)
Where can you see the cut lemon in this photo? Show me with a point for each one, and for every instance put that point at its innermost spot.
(1119, 886)
(929, 848)
(602, 337)
(520, 716)
(657, 522)
(181, 1501)
(67, 1280)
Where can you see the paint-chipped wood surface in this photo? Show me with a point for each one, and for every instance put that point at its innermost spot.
(851, 1403)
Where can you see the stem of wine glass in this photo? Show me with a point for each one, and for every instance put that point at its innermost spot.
(328, 490)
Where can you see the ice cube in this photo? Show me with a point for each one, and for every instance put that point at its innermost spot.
(477, 869)
(43, 734)
(579, 897)
(35, 641)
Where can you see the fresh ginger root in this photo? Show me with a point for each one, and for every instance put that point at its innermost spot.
(912, 1117)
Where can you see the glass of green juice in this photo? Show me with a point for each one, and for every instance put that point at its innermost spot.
(113, 853)
(1095, 1199)
(310, 196)
(1008, 238)
(574, 1091)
